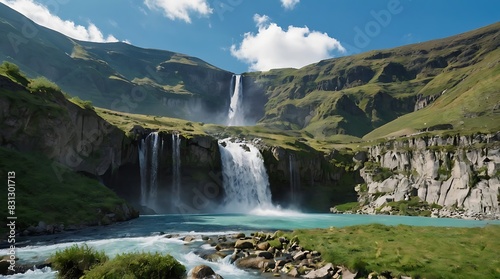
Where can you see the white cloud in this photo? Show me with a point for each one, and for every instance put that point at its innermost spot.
(41, 15)
(261, 20)
(272, 47)
(289, 4)
(180, 9)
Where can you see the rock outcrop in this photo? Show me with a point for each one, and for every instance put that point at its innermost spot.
(459, 173)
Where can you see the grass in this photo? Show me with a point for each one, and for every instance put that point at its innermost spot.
(350, 206)
(138, 265)
(74, 261)
(47, 191)
(420, 252)
(85, 262)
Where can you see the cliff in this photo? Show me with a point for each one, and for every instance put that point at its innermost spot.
(457, 175)
(55, 145)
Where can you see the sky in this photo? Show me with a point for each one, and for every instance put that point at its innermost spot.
(258, 35)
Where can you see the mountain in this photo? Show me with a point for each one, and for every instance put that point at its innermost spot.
(118, 76)
(452, 83)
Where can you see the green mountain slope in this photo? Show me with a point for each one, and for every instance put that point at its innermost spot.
(358, 94)
(446, 84)
(116, 75)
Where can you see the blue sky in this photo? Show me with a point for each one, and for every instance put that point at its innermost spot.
(242, 35)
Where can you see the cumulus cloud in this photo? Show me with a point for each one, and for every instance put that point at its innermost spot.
(289, 4)
(273, 47)
(41, 15)
(177, 9)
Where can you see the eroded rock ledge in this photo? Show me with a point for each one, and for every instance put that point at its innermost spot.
(457, 176)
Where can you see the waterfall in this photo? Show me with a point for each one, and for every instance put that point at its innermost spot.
(245, 180)
(176, 167)
(235, 114)
(294, 179)
(149, 150)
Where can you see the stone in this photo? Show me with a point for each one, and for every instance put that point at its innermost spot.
(188, 238)
(346, 274)
(264, 254)
(300, 255)
(322, 273)
(251, 262)
(263, 246)
(239, 235)
(244, 244)
(294, 273)
(202, 272)
(225, 245)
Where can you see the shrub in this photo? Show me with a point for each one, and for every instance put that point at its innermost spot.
(13, 71)
(10, 68)
(42, 84)
(72, 262)
(140, 265)
(83, 104)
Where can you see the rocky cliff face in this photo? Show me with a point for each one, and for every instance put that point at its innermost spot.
(75, 137)
(307, 179)
(459, 173)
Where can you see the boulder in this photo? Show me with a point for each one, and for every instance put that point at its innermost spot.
(264, 254)
(189, 238)
(244, 244)
(204, 272)
(300, 255)
(251, 262)
(264, 246)
(322, 273)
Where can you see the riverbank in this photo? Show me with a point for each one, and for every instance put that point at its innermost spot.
(344, 235)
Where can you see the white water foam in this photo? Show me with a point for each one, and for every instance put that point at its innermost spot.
(245, 180)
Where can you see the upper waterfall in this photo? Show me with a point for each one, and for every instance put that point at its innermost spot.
(235, 113)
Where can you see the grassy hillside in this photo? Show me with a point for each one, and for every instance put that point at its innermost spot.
(356, 95)
(46, 190)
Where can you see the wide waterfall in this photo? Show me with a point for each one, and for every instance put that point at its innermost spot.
(176, 168)
(235, 114)
(149, 151)
(245, 180)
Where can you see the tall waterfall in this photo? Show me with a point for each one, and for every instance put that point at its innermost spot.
(149, 150)
(176, 167)
(294, 179)
(235, 114)
(245, 180)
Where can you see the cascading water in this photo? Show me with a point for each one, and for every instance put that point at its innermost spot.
(245, 180)
(294, 179)
(176, 167)
(149, 150)
(235, 114)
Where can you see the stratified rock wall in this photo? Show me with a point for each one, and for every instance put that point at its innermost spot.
(456, 172)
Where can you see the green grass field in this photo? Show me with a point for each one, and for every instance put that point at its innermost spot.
(420, 252)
